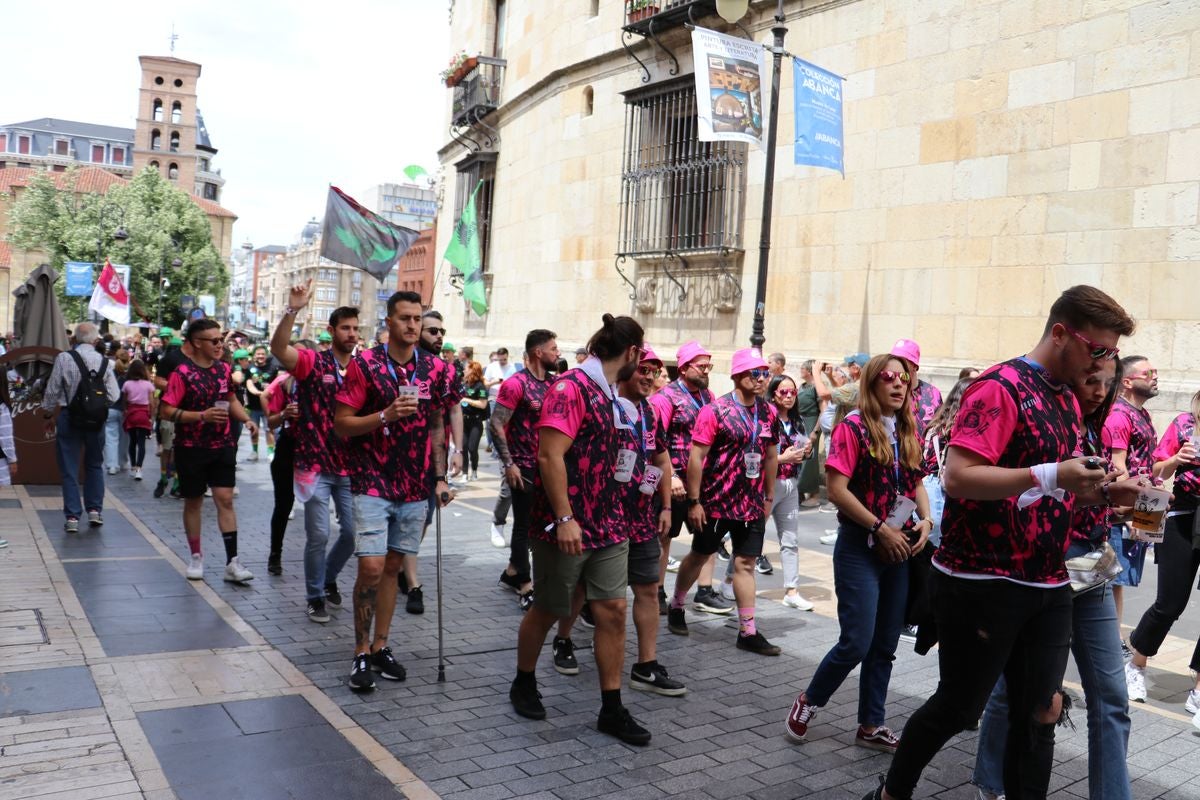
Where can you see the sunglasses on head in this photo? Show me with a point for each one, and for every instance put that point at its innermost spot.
(1097, 351)
(436, 331)
(889, 375)
(649, 371)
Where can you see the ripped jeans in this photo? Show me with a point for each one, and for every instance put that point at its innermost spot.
(989, 628)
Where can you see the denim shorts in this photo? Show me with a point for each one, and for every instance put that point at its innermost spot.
(1131, 555)
(382, 525)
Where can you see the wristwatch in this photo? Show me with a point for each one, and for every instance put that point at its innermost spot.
(439, 478)
(693, 501)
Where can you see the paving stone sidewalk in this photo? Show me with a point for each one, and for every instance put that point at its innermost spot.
(724, 739)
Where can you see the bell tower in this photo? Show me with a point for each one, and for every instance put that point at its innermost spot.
(165, 135)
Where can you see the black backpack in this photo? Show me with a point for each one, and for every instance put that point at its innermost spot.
(88, 409)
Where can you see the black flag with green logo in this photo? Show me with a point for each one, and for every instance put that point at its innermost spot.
(360, 238)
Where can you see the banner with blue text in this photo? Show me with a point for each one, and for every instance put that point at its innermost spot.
(818, 101)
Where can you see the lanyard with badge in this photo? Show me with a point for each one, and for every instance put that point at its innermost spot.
(903, 506)
(751, 458)
(403, 387)
(651, 475)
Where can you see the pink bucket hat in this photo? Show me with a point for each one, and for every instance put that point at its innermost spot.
(907, 349)
(689, 352)
(746, 360)
(648, 354)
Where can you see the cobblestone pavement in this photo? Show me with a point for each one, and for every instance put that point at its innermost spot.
(723, 739)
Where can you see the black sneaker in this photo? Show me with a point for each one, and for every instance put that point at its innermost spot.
(676, 623)
(402, 582)
(510, 582)
(387, 666)
(763, 567)
(623, 726)
(525, 601)
(663, 604)
(275, 564)
(585, 616)
(757, 644)
(416, 601)
(160, 488)
(655, 679)
(564, 656)
(877, 792)
(526, 700)
(711, 602)
(333, 598)
(316, 611)
(722, 552)
(361, 679)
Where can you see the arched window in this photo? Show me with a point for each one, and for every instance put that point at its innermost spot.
(155, 139)
(173, 171)
(174, 141)
(588, 101)
(154, 164)
(176, 113)
(157, 113)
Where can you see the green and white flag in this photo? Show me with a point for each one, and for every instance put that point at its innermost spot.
(466, 255)
(361, 238)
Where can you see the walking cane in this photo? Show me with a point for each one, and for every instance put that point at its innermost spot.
(438, 518)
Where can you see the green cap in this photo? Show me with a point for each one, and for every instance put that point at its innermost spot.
(325, 337)
(176, 341)
(240, 353)
(447, 347)
(166, 333)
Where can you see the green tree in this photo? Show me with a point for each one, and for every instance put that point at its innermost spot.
(162, 221)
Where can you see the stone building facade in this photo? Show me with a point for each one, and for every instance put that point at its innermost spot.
(997, 152)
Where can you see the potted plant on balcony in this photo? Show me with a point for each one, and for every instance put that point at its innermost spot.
(458, 68)
(641, 9)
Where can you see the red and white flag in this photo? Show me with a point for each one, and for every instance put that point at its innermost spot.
(110, 298)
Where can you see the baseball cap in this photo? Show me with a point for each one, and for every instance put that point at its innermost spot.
(325, 336)
(176, 341)
(448, 348)
(747, 359)
(581, 351)
(689, 352)
(907, 349)
(165, 333)
(859, 359)
(241, 352)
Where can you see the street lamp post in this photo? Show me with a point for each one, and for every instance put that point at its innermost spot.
(119, 234)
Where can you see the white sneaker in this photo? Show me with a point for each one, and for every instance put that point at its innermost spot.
(137, 473)
(292, 513)
(195, 570)
(1196, 721)
(253, 456)
(830, 537)
(498, 536)
(984, 794)
(828, 508)
(236, 573)
(1135, 681)
(113, 470)
(727, 591)
(1193, 702)
(797, 602)
(672, 564)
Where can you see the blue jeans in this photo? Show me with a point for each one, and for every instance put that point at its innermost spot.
(114, 453)
(871, 597)
(1097, 649)
(67, 444)
(320, 569)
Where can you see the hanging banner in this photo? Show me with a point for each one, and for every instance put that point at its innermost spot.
(79, 278)
(730, 75)
(818, 111)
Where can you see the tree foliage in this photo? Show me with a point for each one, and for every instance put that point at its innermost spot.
(162, 221)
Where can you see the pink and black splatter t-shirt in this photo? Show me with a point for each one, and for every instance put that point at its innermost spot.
(731, 430)
(194, 388)
(393, 461)
(576, 407)
(631, 506)
(677, 409)
(1013, 416)
(789, 434)
(523, 395)
(875, 484)
(1092, 523)
(926, 400)
(318, 379)
(1130, 428)
(1187, 477)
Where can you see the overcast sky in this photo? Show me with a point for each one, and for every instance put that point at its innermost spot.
(295, 95)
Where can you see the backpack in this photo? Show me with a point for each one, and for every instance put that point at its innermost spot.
(88, 409)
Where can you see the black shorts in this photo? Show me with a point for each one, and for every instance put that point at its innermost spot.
(746, 537)
(679, 517)
(643, 561)
(201, 467)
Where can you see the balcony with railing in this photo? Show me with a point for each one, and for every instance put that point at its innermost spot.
(477, 91)
(647, 17)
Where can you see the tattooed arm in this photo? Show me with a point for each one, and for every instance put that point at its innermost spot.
(499, 421)
(437, 441)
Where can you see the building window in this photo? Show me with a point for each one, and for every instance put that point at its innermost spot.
(156, 113)
(595, 8)
(155, 140)
(61, 147)
(176, 113)
(174, 141)
(154, 164)
(23, 145)
(118, 155)
(355, 298)
(470, 173)
(356, 280)
(58, 168)
(589, 101)
(501, 28)
(173, 171)
(204, 165)
(98, 153)
(678, 195)
(3, 142)
(210, 192)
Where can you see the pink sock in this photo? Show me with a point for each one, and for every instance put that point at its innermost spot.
(194, 546)
(746, 622)
(679, 599)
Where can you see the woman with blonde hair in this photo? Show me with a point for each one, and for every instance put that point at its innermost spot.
(874, 478)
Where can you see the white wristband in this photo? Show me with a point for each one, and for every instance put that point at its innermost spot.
(1045, 478)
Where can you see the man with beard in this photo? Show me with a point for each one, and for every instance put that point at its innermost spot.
(515, 437)
(575, 541)
(322, 460)
(258, 377)
(677, 405)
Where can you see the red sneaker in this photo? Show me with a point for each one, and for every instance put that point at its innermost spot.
(881, 739)
(797, 722)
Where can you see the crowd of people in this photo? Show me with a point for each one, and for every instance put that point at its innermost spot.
(994, 522)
